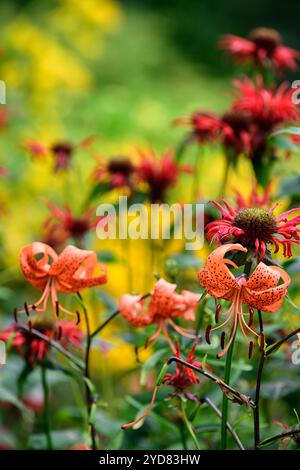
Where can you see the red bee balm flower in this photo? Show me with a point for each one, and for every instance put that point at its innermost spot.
(205, 126)
(159, 174)
(164, 305)
(261, 290)
(263, 47)
(267, 106)
(255, 228)
(62, 220)
(182, 379)
(254, 199)
(117, 172)
(71, 271)
(35, 349)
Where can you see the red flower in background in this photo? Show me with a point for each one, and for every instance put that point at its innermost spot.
(35, 148)
(35, 349)
(255, 228)
(70, 272)
(255, 199)
(4, 116)
(205, 126)
(267, 107)
(66, 225)
(165, 304)
(264, 47)
(236, 129)
(160, 174)
(117, 172)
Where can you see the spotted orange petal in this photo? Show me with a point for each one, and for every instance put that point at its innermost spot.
(263, 277)
(270, 298)
(163, 298)
(75, 269)
(35, 261)
(215, 276)
(132, 308)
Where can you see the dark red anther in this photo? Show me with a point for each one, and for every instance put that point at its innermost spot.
(78, 317)
(223, 335)
(26, 309)
(262, 341)
(250, 351)
(16, 315)
(251, 316)
(33, 307)
(207, 334)
(57, 308)
(217, 314)
(58, 333)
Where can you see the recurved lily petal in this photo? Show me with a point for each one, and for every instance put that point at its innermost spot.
(263, 277)
(215, 276)
(270, 299)
(75, 269)
(163, 298)
(132, 308)
(35, 261)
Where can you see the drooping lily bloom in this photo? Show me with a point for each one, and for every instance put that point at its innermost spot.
(262, 290)
(70, 272)
(160, 174)
(264, 47)
(35, 349)
(63, 221)
(256, 228)
(117, 172)
(180, 380)
(160, 308)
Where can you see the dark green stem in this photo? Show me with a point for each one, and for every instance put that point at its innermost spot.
(292, 433)
(256, 409)
(89, 397)
(189, 426)
(46, 421)
(225, 399)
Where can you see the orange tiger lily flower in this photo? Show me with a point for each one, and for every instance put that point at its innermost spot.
(261, 290)
(164, 305)
(69, 272)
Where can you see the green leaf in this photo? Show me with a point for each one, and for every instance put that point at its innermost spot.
(290, 186)
(99, 190)
(150, 364)
(61, 439)
(287, 130)
(9, 397)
